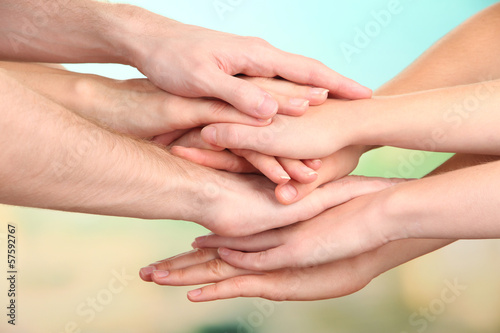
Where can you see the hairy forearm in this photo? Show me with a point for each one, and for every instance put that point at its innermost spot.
(69, 31)
(58, 160)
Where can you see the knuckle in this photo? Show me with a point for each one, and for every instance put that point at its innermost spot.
(239, 284)
(165, 265)
(260, 261)
(179, 274)
(202, 254)
(215, 267)
(234, 164)
(218, 108)
(241, 90)
(85, 89)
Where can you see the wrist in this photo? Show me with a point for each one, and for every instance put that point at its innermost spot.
(130, 27)
(398, 213)
(368, 123)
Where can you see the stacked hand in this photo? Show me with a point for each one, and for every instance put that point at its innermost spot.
(248, 265)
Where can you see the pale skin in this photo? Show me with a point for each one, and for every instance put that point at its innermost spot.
(77, 165)
(445, 117)
(441, 206)
(140, 109)
(182, 59)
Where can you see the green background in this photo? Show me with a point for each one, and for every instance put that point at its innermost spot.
(67, 258)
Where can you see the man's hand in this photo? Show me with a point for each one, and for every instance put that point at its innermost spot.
(306, 175)
(341, 232)
(138, 108)
(184, 60)
(196, 62)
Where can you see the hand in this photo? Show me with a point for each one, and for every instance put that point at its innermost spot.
(192, 61)
(342, 232)
(279, 170)
(330, 168)
(239, 205)
(320, 132)
(139, 108)
(202, 266)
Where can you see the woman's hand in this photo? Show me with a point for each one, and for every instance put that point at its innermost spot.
(306, 175)
(313, 283)
(279, 170)
(320, 132)
(342, 232)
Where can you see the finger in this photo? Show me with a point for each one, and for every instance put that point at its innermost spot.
(266, 260)
(348, 188)
(315, 96)
(266, 286)
(235, 136)
(167, 138)
(208, 272)
(297, 170)
(303, 70)
(268, 165)
(333, 167)
(291, 106)
(217, 111)
(193, 139)
(182, 260)
(313, 164)
(220, 160)
(259, 242)
(243, 95)
(209, 111)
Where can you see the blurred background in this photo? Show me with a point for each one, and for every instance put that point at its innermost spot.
(79, 273)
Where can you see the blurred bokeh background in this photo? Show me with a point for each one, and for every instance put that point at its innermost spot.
(78, 273)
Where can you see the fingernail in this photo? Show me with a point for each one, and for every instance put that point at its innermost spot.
(268, 107)
(318, 162)
(210, 134)
(281, 173)
(200, 239)
(146, 271)
(223, 252)
(319, 92)
(194, 293)
(265, 121)
(289, 192)
(308, 171)
(299, 102)
(161, 274)
(194, 245)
